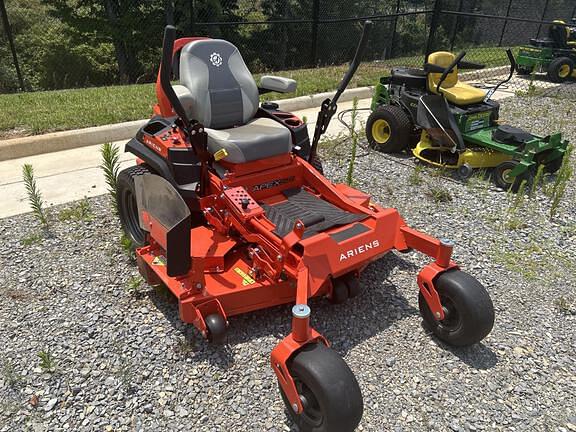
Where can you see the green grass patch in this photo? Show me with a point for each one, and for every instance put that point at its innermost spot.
(41, 112)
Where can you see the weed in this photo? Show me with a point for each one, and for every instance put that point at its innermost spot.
(304, 119)
(562, 178)
(110, 166)
(565, 306)
(354, 138)
(134, 284)
(183, 346)
(31, 239)
(438, 193)
(47, 362)
(538, 178)
(81, 211)
(127, 246)
(415, 177)
(34, 195)
(125, 373)
(12, 378)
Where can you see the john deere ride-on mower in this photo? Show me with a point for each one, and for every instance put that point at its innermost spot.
(229, 209)
(450, 124)
(554, 55)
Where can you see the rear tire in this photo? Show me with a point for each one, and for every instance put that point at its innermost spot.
(389, 129)
(560, 69)
(328, 389)
(126, 204)
(469, 312)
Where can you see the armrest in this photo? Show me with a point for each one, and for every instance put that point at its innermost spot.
(269, 83)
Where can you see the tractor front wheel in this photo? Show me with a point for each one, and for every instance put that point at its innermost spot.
(126, 204)
(524, 70)
(328, 390)
(468, 309)
(503, 180)
(560, 69)
(389, 129)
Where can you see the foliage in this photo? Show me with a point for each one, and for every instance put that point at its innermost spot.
(34, 196)
(111, 167)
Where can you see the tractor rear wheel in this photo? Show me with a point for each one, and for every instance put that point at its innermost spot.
(389, 129)
(468, 309)
(126, 203)
(560, 69)
(502, 178)
(328, 390)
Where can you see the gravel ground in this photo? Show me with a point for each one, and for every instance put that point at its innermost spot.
(121, 360)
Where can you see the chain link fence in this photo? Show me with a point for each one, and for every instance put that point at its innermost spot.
(57, 44)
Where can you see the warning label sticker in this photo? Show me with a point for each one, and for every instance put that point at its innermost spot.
(246, 278)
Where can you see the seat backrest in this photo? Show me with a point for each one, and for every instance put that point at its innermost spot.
(442, 59)
(559, 33)
(223, 93)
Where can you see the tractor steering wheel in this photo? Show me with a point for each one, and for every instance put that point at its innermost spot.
(449, 69)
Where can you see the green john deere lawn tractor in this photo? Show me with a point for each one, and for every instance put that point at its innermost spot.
(554, 55)
(450, 124)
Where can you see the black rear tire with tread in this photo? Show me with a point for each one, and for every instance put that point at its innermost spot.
(468, 308)
(332, 394)
(555, 66)
(400, 129)
(126, 203)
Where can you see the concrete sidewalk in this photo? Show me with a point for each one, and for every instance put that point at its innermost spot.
(70, 175)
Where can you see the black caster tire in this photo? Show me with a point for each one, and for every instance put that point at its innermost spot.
(216, 325)
(560, 69)
(389, 129)
(328, 389)
(501, 177)
(339, 291)
(464, 172)
(353, 284)
(469, 312)
(126, 204)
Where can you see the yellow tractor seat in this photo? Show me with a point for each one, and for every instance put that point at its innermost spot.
(456, 92)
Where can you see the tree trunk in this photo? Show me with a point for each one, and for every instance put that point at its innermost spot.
(127, 67)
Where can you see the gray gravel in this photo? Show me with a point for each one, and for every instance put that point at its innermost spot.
(123, 361)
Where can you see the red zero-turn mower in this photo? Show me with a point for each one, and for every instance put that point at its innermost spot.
(229, 209)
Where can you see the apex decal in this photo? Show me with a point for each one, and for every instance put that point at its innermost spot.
(359, 250)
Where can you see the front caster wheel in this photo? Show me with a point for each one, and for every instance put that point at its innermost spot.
(328, 390)
(216, 325)
(468, 309)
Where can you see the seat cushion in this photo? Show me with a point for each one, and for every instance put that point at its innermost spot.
(463, 94)
(258, 139)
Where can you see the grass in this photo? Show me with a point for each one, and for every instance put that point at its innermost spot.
(12, 378)
(354, 146)
(47, 362)
(34, 195)
(79, 211)
(111, 167)
(40, 112)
